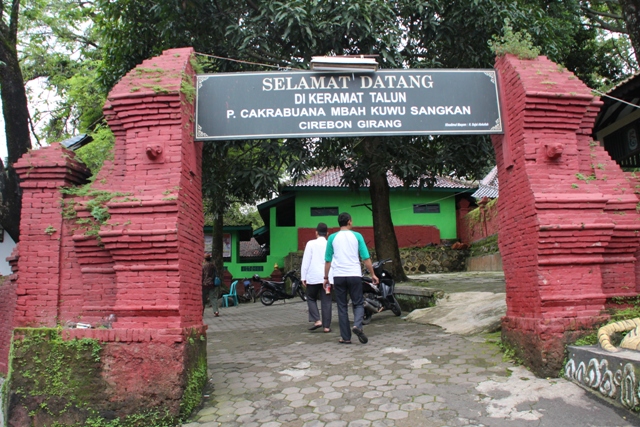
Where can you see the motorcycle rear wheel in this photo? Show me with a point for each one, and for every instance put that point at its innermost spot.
(367, 317)
(395, 307)
(267, 298)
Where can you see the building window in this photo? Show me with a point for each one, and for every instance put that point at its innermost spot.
(427, 208)
(324, 211)
(286, 213)
(252, 268)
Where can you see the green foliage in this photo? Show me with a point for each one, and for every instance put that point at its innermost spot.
(95, 201)
(242, 172)
(188, 89)
(631, 310)
(196, 377)
(56, 371)
(514, 43)
(509, 353)
(59, 46)
(97, 151)
(591, 339)
(586, 179)
(485, 246)
(237, 214)
(63, 375)
(152, 418)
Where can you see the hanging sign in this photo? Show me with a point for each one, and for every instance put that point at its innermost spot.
(311, 104)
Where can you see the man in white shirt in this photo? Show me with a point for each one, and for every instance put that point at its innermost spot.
(344, 251)
(311, 274)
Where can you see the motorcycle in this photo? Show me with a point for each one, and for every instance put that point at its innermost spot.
(381, 297)
(271, 291)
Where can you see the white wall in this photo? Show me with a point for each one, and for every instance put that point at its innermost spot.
(6, 247)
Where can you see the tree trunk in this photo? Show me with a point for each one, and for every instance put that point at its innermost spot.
(11, 204)
(631, 15)
(384, 235)
(16, 121)
(216, 243)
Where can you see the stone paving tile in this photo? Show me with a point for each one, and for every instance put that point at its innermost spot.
(266, 369)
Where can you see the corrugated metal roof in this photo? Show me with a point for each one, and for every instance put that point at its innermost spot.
(488, 186)
(485, 191)
(331, 178)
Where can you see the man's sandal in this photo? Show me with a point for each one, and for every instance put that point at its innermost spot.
(341, 341)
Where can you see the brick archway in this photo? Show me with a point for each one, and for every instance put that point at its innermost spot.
(568, 236)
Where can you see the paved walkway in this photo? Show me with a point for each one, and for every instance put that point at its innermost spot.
(266, 369)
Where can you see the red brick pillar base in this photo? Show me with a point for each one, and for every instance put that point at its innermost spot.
(569, 226)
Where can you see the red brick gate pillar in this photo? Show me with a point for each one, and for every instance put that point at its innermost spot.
(130, 245)
(569, 226)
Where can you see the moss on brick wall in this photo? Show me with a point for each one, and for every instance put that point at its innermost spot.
(487, 246)
(55, 382)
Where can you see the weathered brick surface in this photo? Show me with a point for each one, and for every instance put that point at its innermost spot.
(144, 263)
(7, 310)
(479, 223)
(568, 225)
(39, 285)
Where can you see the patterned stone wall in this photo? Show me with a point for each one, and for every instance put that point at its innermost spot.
(438, 259)
(415, 261)
(613, 376)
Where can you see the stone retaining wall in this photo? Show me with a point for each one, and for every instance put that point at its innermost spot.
(436, 259)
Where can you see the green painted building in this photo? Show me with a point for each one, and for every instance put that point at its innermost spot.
(420, 217)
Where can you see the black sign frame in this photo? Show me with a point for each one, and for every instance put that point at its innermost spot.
(306, 104)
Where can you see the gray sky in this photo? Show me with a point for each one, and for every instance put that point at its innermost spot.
(39, 99)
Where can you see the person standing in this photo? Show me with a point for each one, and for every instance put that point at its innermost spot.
(209, 289)
(311, 274)
(344, 251)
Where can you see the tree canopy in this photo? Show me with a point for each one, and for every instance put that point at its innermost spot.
(83, 48)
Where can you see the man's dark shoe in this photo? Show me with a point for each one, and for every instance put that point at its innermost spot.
(360, 333)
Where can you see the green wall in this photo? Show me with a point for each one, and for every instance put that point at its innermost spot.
(285, 239)
(401, 204)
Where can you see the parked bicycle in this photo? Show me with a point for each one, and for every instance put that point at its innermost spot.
(250, 294)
